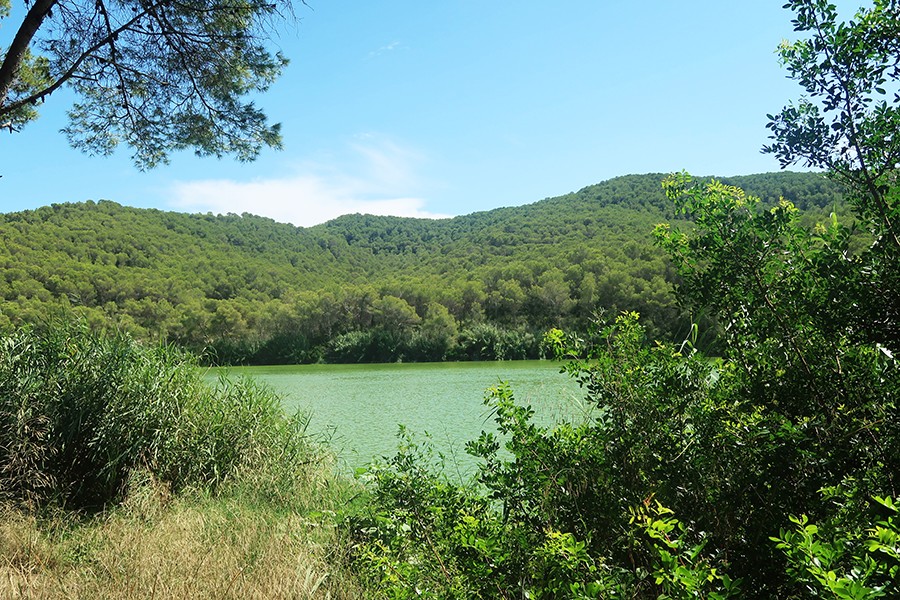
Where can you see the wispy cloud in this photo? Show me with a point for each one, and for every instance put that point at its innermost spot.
(377, 177)
(386, 48)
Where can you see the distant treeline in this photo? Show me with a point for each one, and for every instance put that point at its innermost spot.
(360, 288)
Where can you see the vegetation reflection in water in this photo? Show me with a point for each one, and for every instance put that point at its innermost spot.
(360, 407)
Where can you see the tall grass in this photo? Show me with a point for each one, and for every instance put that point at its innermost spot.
(123, 474)
(193, 545)
(79, 411)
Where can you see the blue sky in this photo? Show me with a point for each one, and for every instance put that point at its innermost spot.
(444, 108)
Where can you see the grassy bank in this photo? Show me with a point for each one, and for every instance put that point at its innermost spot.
(191, 545)
(124, 475)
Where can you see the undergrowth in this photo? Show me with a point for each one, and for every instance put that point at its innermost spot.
(80, 411)
(123, 474)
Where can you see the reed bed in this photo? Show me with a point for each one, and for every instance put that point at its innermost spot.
(124, 475)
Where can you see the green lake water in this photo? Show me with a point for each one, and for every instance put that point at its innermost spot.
(360, 407)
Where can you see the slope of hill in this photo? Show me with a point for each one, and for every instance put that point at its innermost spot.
(359, 287)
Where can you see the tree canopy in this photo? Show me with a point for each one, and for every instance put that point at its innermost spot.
(158, 75)
(485, 285)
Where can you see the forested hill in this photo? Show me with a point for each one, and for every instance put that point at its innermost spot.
(360, 287)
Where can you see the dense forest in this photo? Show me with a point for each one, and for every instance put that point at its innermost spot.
(245, 289)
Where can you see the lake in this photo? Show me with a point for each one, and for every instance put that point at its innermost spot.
(359, 407)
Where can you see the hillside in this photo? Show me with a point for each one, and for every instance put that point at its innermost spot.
(360, 287)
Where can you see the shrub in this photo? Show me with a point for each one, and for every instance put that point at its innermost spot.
(847, 563)
(485, 341)
(80, 411)
(423, 535)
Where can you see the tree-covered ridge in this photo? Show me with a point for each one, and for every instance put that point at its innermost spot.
(480, 285)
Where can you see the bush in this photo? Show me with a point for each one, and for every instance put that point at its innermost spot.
(80, 411)
(375, 345)
(485, 341)
(853, 563)
(423, 535)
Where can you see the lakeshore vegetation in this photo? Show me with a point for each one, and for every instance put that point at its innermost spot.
(762, 462)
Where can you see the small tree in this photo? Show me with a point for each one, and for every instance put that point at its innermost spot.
(156, 75)
(847, 123)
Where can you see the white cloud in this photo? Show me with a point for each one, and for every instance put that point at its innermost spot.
(379, 179)
(386, 48)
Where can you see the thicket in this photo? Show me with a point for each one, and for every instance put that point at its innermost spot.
(82, 412)
(769, 472)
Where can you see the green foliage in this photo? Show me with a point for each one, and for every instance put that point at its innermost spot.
(776, 286)
(682, 571)
(158, 77)
(376, 345)
(244, 289)
(437, 336)
(849, 564)
(33, 73)
(846, 70)
(847, 124)
(484, 341)
(811, 394)
(82, 411)
(397, 548)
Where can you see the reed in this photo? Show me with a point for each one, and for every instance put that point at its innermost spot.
(80, 411)
(123, 474)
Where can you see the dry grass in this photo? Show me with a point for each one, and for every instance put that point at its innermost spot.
(156, 546)
(89, 418)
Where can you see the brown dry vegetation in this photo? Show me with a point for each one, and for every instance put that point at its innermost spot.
(190, 546)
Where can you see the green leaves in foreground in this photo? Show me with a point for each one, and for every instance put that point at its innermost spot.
(848, 564)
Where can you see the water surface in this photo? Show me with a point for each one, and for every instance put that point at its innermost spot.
(359, 407)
